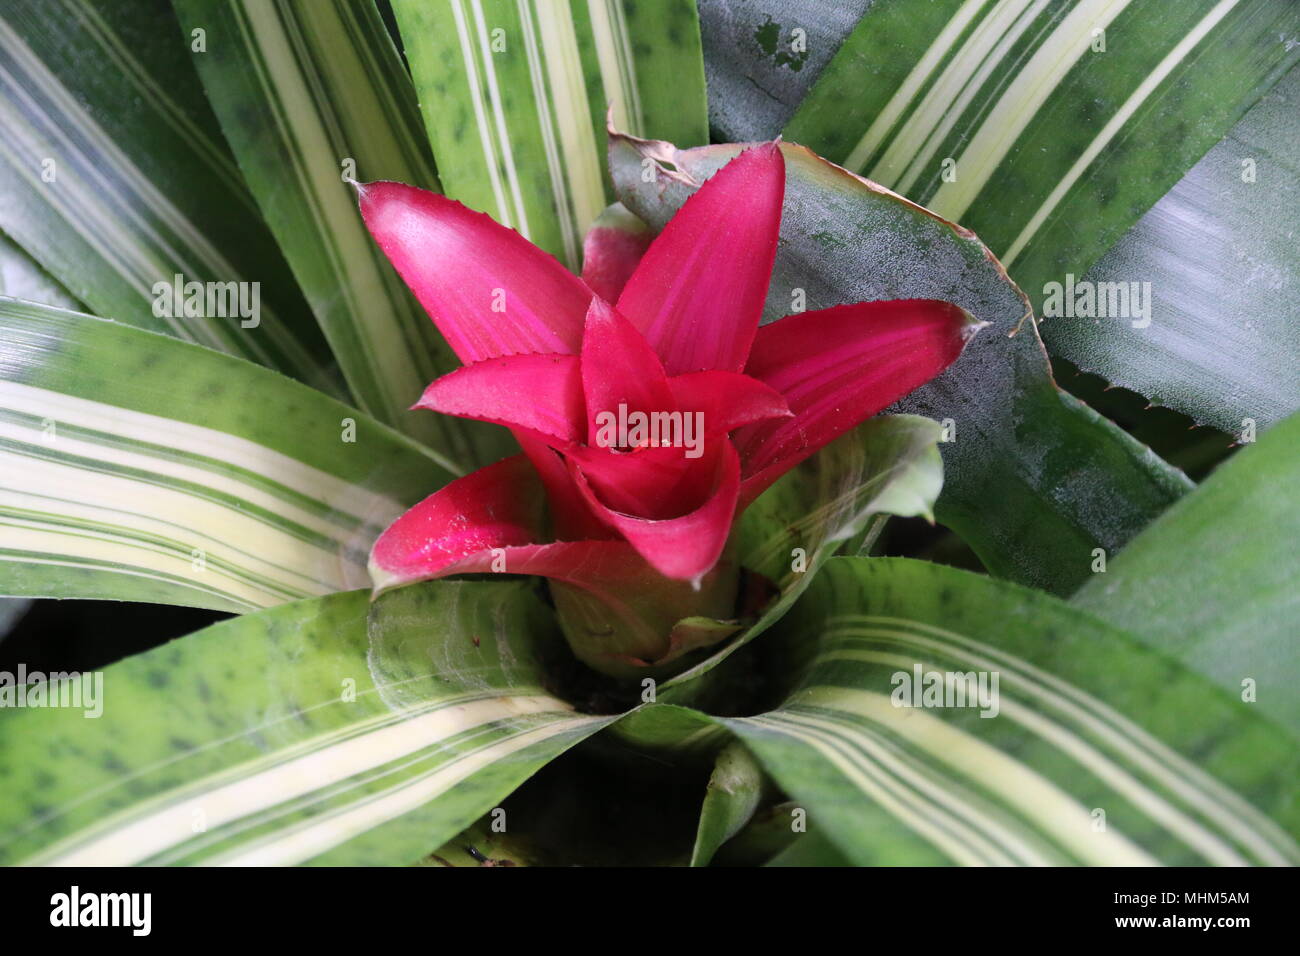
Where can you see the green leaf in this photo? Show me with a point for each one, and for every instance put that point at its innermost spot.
(138, 467)
(113, 177)
(310, 94)
(515, 98)
(1033, 480)
(278, 746)
(735, 790)
(1097, 750)
(1212, 581)
(1050, 128)
(22, 278)
(1219, 252)
(761, 58)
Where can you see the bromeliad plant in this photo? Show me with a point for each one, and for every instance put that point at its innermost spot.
(651, 621)
(640, 517)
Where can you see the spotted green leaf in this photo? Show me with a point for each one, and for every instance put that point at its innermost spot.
(278, 746)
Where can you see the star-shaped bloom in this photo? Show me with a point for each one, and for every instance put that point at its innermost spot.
(649, 423)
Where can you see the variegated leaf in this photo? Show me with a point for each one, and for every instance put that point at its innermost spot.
(515, 97)
(1069, 741)
(265, 741)
(114, 178)
(310, 95)
(139, 467)
(1049, 128)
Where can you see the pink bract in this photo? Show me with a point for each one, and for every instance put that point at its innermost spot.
(550, 359)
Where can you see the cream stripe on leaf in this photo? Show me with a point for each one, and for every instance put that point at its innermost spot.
(483, 39)
(1020, 101)
(1094, 750)
(515, 94)
(942, 47)
(1079, 114)
(1040, 803)
(476, 95)
(1116, 749)
(310, 95)
(1121, 778)
(1113, 125)
(962, 80)
(297, 753)
(113, 201)
(166, 481)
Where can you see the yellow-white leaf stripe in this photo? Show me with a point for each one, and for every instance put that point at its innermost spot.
(884, 750)
(112, 205)
(88, 485)
(297, 804)
(367, 314)
(913, 149)
(1036, 44)
(568, 138)
(1020, 101)
(485, 95)
(902, 99)
(1115, 124)
(575, 166)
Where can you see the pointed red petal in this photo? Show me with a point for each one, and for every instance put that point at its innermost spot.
(837, 367)
(489, 290)
(619, 368)
(727, 400)
(495, 507)
(687, 547)
(540, 392)
(698, 292)
(614, 245)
